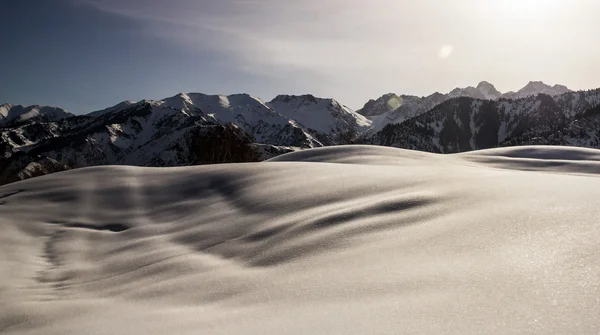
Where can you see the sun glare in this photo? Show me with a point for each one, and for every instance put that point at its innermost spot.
(522, 9)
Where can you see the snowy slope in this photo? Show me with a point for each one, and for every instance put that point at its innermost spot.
(495, 242)
(325, 116)
(249, 113)
(391, 109)
(15, 114)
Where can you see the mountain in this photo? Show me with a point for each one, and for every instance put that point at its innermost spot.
(321, 116)
(184, 129)
(488, 91)
(465, 124)
(250, 114)
(583, 131)
(16, 114)
(195, 128)
(484, 90)
(116, 107)
(391, 108)
(535, 88)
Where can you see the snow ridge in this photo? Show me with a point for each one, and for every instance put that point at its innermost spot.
(15, 114)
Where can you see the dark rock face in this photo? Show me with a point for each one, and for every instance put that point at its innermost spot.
(221, 144)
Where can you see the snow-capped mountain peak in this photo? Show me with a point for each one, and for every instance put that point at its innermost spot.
(14, 114)
(469, 91)
(323, 115)
(4, 110)
(488, 90)
(384, 104)
(391, 108)
(561, 88)
(539, 87)
(289, 97)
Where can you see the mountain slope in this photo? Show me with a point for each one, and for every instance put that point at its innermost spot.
(390, 108)
(323, 116)
(464, 124)
(583, 131)
(535, 88)
(488, 91)
(168, 133)
(11, 115)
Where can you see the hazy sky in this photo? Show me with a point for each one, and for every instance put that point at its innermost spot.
(85, 55)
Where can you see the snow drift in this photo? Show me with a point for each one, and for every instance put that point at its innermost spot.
(347, 240)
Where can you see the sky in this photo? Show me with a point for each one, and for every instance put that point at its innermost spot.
(86, 55)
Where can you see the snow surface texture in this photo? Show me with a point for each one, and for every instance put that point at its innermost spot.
(343, 240)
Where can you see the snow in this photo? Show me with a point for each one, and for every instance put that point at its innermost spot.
(17, 113)
(537, 87)
(269, 123)
(475, 107)
(322, 115)
(380, 121)
(5, 109)
(392, 109)
(381, 114)
(502, 132)
(342, 240)
(241, 109)
(488, 90)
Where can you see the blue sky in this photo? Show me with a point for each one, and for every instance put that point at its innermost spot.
(60, 53)
(85, 55)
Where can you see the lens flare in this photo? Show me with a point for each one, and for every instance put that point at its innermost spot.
(394, 103)
(446, 51)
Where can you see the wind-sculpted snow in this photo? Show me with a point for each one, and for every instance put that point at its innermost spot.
(344, 240)
(539, 158)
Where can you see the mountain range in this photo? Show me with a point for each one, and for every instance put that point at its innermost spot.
(194, 128)
(392, 108)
